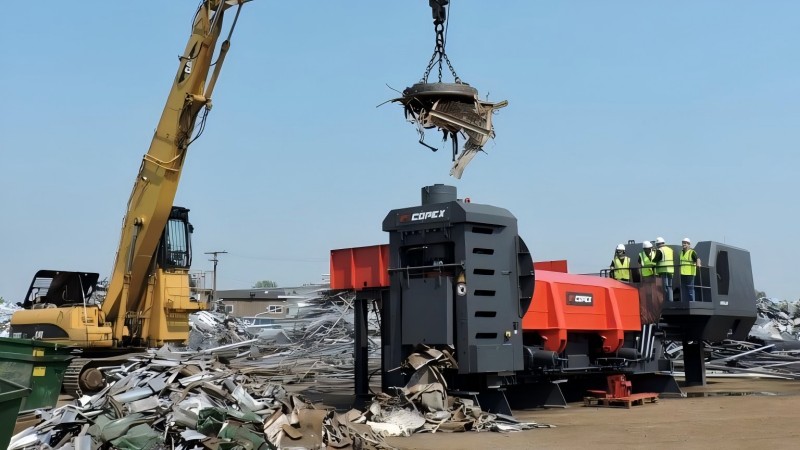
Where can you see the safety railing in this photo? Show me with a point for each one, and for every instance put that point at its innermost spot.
(701, 287)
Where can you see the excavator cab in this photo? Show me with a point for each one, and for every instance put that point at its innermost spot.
(175, 247)
(55, 288)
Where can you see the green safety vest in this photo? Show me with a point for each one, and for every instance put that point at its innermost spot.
(688, 267)
(665, 266)
(622, 269)
(647, 264)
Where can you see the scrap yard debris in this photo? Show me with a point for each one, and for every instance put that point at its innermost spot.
(747, 358)
(253, 393)
(256, 393)
(778, 323)
(453, 108)
(424, 405)
(209, 329)
(165, 400)
(5, 318)
(190, 403)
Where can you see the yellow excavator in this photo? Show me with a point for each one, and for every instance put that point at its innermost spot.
(148, 298)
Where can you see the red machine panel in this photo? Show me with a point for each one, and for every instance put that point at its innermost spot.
(566, 303)
(559, 265)
(360, 267)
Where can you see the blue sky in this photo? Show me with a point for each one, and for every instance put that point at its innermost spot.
(626, 120)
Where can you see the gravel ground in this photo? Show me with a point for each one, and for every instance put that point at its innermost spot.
(728, 413)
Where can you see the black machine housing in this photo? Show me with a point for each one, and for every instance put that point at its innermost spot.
(460, 276)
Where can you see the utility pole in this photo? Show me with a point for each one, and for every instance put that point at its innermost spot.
(215, 260)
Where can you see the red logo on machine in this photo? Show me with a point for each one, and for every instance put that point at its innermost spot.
(579, 299)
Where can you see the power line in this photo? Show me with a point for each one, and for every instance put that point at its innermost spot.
(278, 258)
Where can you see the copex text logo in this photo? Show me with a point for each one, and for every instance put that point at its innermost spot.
(422, 215)
(579, 299)
(427, 215)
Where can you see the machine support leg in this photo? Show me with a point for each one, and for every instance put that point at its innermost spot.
(361, 352)
(494, 401)
(662, 384)
(543, 394)
(391, 350)
(694, 364)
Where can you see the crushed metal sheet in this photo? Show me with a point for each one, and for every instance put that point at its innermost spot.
(24, 439)
(407, 421)
(145, 404)
(139, 437)
(191, 435)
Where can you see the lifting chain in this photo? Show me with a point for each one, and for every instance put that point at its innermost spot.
(439, 19)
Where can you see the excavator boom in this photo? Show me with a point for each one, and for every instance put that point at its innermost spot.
(156, 183)
(148, 299)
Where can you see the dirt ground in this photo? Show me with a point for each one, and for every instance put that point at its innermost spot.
(727, 413)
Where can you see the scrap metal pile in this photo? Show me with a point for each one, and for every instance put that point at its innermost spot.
(5, 318)
(166, 400)
(754, 359)
(314, 347)
(253, 393)
(778, 322)
(424, 405)
(209, 329)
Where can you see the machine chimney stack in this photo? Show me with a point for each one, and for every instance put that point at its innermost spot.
(438, 193)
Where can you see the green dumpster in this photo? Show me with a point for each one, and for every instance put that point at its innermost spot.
(11, 396)
(33, 347)
(42, 374)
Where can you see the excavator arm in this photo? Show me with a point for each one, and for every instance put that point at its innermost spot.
(151, 200)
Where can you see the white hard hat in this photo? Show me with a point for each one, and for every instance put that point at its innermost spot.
(687, 240)
(621, 247)
(647, 244)
(659, 240)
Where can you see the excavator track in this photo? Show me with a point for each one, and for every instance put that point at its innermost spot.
(83, 376)
(71, 384)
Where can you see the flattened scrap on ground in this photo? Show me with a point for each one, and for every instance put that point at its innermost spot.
(205, 403)
(186, 400)
(423, 404)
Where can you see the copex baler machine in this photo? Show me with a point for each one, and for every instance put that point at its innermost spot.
(457, 275)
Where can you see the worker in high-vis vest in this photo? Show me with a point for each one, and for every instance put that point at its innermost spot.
(647, 268)
(621, 265)
(689, 264)
(665, 266)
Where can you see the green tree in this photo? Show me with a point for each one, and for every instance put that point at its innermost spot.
(265, 284)
(760, 294)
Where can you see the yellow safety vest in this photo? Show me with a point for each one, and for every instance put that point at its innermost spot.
(665, 266)
(622, 269)
(647, 264)
(688, 267)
